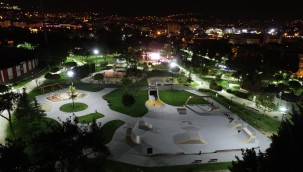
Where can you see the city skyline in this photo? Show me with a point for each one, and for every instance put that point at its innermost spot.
(235, 10)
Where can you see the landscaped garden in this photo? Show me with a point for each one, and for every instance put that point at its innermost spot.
(138, 109)
(178, 97)
(110, 128)
(89, 117)
(73, 107)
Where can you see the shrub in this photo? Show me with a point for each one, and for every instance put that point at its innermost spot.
(128, 99)
(213, 85)
(48, 76)
(54, 70)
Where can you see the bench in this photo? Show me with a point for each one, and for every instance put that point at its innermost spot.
(212, 160)
(248, 132)
(197, 161)
(252, 108)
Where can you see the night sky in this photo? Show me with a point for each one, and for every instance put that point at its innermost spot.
(225, 9)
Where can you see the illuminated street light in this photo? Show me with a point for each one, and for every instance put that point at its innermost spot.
(96, 51)
(70, 73)
(173, 64)
(283, 109)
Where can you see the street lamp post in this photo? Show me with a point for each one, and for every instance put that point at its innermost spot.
(283, 111)
(37, 82)
(172, 65)
(96, 52)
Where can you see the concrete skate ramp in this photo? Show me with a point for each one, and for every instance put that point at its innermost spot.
(188, 138)
(248, 134)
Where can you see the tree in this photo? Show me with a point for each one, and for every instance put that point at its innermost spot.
(125, 81)
(99, 77)
(249, 162)
(4, 88)
(13, 158)
(69, 147)
(7, 101)
(284, 153)
(72, 91)
(128, 99)
(189, 78)
(26, 109)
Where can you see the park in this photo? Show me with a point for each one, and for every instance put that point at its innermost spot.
(164, 127)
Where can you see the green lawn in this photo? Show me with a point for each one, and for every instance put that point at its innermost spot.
(178, 97)
(194, 84)
(136, 110)
(110, 128)
(89, 117)
(77, 107)
(112, 166)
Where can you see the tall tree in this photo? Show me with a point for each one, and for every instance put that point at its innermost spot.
(7, 102)
(99, 77)
(284, 153)
(24, 108)
(27, 109)
(72, 92)
(69, 147)
(13, 158)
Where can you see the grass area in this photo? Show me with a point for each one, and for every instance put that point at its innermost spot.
(158, 73)
(76, 108)
(263, 123)
(208, 79)
(178, 97)
(136, 110)
(223, 83)
(26, 128)
(32, 95)
(193, 84)
(142, 82)
(89, 117)
(110, 128)
(113, 166)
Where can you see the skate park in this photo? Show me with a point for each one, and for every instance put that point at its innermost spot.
(170, 135)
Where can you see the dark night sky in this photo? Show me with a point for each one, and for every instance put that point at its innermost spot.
(219, 8)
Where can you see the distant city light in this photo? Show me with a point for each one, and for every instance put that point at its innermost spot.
(155, 56)
(272, 31)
